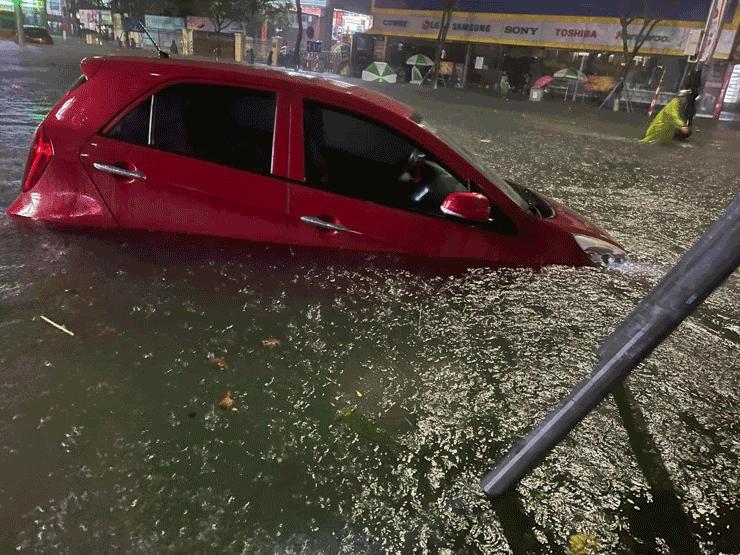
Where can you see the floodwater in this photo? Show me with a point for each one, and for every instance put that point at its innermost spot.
(367, 424)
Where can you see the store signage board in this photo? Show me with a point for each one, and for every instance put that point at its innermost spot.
(534, 31)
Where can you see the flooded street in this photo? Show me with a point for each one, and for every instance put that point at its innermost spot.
(370, 397)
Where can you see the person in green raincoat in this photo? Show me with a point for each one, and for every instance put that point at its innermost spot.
(669, 124)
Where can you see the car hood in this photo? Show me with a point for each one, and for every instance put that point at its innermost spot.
(572, 222)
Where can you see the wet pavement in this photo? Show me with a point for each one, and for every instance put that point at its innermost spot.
(370, 398)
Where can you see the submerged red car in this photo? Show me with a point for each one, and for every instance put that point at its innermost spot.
(273, 156)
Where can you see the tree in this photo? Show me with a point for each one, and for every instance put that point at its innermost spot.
(224, 13)
(647, 22)
(299, 36)
(448, 6)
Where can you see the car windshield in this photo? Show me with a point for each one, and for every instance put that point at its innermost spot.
(489, 174)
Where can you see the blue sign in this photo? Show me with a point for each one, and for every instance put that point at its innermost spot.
(692, 10)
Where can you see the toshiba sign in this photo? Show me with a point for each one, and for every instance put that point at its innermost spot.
(576, 33)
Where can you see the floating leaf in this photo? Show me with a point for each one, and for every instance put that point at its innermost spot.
(271, 342)
(366, 429)
(358, 393)
(219, 361)
(583, 544)
(227, 402)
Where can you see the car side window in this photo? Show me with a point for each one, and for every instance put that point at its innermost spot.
(231, 126)
(134, 126)
(351, 155)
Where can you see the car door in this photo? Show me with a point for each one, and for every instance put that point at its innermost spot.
(195, 158)
(355, 193)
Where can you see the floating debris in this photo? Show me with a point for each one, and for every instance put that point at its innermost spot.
(271, 342)
(583, 544)
(366, 429)
(218, 361)
(57, 326)
(359, 393)
(227, 402)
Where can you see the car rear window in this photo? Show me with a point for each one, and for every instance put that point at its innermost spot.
(231, 126)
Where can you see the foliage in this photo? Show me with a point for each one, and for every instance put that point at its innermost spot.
(222, 13)
(647, 20)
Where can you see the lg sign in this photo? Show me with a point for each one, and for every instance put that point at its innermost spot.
(515, 30)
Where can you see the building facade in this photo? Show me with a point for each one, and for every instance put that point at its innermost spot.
(486, 36)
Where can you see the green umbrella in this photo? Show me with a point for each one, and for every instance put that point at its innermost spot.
(416, 76)
(379, 71)
(419, 60)
(568, 73)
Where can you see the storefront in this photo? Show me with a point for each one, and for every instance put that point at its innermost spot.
(531, 37)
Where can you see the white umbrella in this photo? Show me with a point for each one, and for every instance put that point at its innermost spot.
(568, 73)
(380, 72)
(419, 60)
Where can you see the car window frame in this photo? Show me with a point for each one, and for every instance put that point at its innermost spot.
(150, 95)
(506, 227)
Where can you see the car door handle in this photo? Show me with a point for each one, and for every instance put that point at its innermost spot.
(119, 171)
(323, 224)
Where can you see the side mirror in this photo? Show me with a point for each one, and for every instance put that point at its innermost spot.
(472, 207)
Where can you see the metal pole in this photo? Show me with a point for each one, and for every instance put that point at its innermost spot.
(699, 272)
(465, 67)
(19, 23)
(657, 91)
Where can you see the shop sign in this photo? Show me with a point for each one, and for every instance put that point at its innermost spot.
(524, 30)
(163, 22)
(534, 31)
(54, 7)
(395, 23)
(28, 6)
(92, 19)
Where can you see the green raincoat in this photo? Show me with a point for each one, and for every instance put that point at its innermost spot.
(664, 126)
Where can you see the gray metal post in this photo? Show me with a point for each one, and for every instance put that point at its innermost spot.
(19, 22)
(465, 67)
(699, 272)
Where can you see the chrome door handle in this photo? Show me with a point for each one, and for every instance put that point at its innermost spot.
(121, 172)
(323, 224)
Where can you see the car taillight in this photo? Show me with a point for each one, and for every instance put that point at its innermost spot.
(38, 158)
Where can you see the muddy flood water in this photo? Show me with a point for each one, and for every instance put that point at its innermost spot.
(371, 396)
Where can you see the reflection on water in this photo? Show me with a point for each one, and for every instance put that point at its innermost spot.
(389, 391)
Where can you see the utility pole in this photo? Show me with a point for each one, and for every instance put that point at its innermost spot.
(19, 22)
(43, 20)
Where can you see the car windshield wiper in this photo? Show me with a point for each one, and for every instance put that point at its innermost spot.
(529, 198)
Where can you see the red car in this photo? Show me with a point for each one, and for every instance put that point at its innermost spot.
(273, 156)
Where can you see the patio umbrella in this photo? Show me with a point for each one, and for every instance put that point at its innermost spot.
(416, 76)
(419, 60)
(379, 72)
(542, 82)
(568, 73)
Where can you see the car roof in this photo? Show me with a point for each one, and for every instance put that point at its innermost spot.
(270, 76)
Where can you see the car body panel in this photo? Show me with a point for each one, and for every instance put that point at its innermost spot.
(186, 195)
